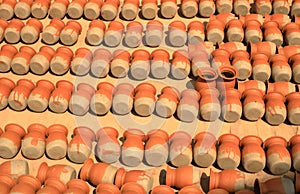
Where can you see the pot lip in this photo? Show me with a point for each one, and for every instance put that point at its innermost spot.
(57, 183)
(198, 24)
(207, 71)
(109, 186)
(179, 135)
(79, 184)
(275, 94)
(57, 127)
(112, 87)
(18, 129)
(142, 86)
(177, 25)
(163, 188)
(190, 189)
(291, 95)
(204, 134)
(134, 187)
(293, 140)
(239, 53)
(134, 131)
(7, 180)
(107, 131)
(84, 132)
(162, 133)
(271, 139)
(251, 137)
(229, 69)
(246, 92)
(160, 52)
(30, 179)
(37, 127)
(233, 137)
(194, 92)
(292, 58)
(7, 82)
(233, 92)
(141, 53)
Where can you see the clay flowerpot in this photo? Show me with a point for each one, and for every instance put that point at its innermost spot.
(58, 8)
(34, 143)
(7, 9)
(252, 16)
(189, 8)
(140, 177)
(291, 32)
(108, 146)
(6, 183)
(6, 86)
(207, 78)
(199, 60)
(195, 31)
(40, 62)
(188, 106)
(251, 84)
(292, 107)
(61, 172)
(168, 8)
(220, 180)
(149, 9)
(133, 35)
(97, 173)
(241, 7)
(133, 147)
(253, 155)
(218, 191)
(22, 8)
(109, 9)
(61, 60)
(10, 140)
(14, 168)
(70, 33)
(30, 33)
(59, 99)
(207, 8)
(180, 150)
(210, 108)
(227, 77)
(113, 34)
(80, 147)
(26, 184)
(156, 147)
(263, 7)
(253, 33)
(6, 55)
(80, 100)
(100, 62)
(140, 64)
(12, 33)
(75, 8)
(107, 188)
(240, 61)
(275, 108)
(167, 102)
(3, 25)
(130, 9)
(92, 9)
(281, 7)
(235, 31)
(284, 88)
(133, 188)
(52, 186)
(224, 6)
(253, 104)
(51, 32)
(144, 99)
(215, 31)
(123, 98)
(20, 62)
(229, 154)
(77, 186)
(278, 157)
(294, 145)
(154, 33)
(56, 142)
(278, 185)
(102, 99)
(180, 67)
(191, 190)
(281, 70)
(95, 33)
(281, 19)
(272, 33)
(220, 57)
(231, 105)
(39, 8)
(119, 65)
(232, 46)
(177, 33)
(267, 48)
(40, 95)
(81, 63)
(160, 64)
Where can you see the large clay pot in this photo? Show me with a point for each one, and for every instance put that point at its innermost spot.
(291, 33)
(39, 8)
(14, 27)
(253, 104)
(149, 9)
(77, 186)
(95, 33)
(30, 33)
(162, 189)
(188, 106)
(26, 184)
(154, 33)
(195, 31)
(40, 62)
(177, 33)
(281, 19)
(14, 168)
(275, 108)
(133, 35)
(293, 107)
(215, 31)
(130, 9)
(180, 150)
(278, 185)
(294, 144)
(6, 86)
(295, 65)
(207, 8)
(210, 108)
(231, 105)
(75, 8)
(107, 188)
(167, 102)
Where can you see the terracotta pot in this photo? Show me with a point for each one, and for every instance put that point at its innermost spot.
(80, 147)
(210, 108)
(162, 189)
(275, 108)
(295, 62)
(195, 31)
(177, 33)
(207, 8)
(261, 69)
(96, 28)
(144, 99)
(235, 31)
(168, 8)
(133, 35)
(281, 6)
(80, 100)
(232, 46)
(253, 155)
(109, 9)
(281, 70)
(267, 48)
(189, 8)
(20, 62)
(6, 87)
(12, 33)
(199, 60)
(272, 33)
(107, 188)
(180, 150)
(140, 64)
(160, 63)
(59, 99)
(253, 33)
(281, 19)
(10, 140)
(207, 78)
(75, 8)
(22, 8)
(154, 33)
(53, 186)
(56, 142)
(149, 9)
(291, 32)
(133, 188)
(14, 168)
(97, 173)
(220, 57)
(227, 77)
(180, 67)
(294, 150)
(113, 34)
(119, 65)
(278, 185)
(50, 34)
(240, 61)
(278, 157)
(92, 9)
(191, 190)
(263, 7)
(289, 51)
(188, 106)
(70, 33)
(130, 9)
(61, 60)
(3, 25)
(215, 31)
(253, 104)
(141, 177)
(40, 62)
(6, 183)
(7, 7)
(231, 105)
(81, 63)
(101, 101)
(220, 180)
(251, 84)
(133, 147)
(167, 102)
(123, 99)
(39, 8)
(292, 107)
(218, 191)
(224, 6)
(61, 172)
(58, 9)
(241, 7)
(6, 55)
(30, 33)
(26, 184)
(284, 88)
(100, 62)
(77, 186)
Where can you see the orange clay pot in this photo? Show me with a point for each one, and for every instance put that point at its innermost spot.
(292, 107)
(207, 78)
(3, 25)
(115, 26)
(106, 88)
(231, 105)
(223, 17)
(190, 190)
(227, 77)
(272, 33)
(52, 31)
(66, 55)
(53, 186)
(209, 104)
(251, 84)
(6, 55)
(284, 88)
(276, 185)
(235, 31)
(6, 87)
(36, 24)
(218, 191)
(160, 55)
(180, 149)
(40, 62)
(240, 60)
(6, 183)
(220, 57)
(132, 188)
(56, 135)
(253, 33)
(261, 69)
(107, 188)
(275, 108)
(215, 31)
(232, 46)
(263, 7)
(267, 48)
(294, 144)
(162, 189)
(25, 53)
(281, 70)
(77, 186)
(15, 25)
(60, 96)
(253, 104)
(26, 184)
(281, 19)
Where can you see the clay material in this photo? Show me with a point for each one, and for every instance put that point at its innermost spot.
(40, 62)
(119, 65)
(75, 8)
(12, 33)
(59, 99)
(6, 86)
(113, 34)
(166, 103)
(56, 142)
(51, 32)
(180, 152)
(95, 33)
(61, 60)
(58, 9)
(69, 34)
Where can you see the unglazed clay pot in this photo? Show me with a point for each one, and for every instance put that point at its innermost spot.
(227, 78)
(289, 51)
(81, 63)
(80, 100)
(177, 33)
(293, 106)
(224, 6)
(20, 62)
(77, 186)
(70, 33)
(154, 33)
(215, 31)
(119, 65)
(7, 53)
(34, 143)
(22, 8)
(140, 64)
(263, 7)
(133, 147)
(162, 189)
(113, 34)
(40, 95)
(220, 57)
(235, 31)
(132, 188)
(191, 190)
(240, 61)
(195, 31)
(167, 102)
(80, 147)
(123, 99)
(109, 9)
(58, 8)
(180, 150)
(294, 151)
(100, 62)
(6, 183)
(156, 147)
(3, 25)
(295, 62)
(218, 191)
(160, 64)
(6, 86)
(199, 60)
(278, 157)
(189, 8)
(14, 168)
(26, 184)
(206, 8)
(61, 172)
(130, 9)
(140, 177)
(149, 9)
(92, 9)
(281, 70)
(10, 140)
(241, 7)
(53, 186)
(207, 78)
(7, 9)
(281, 19)
(275, 108)
(272, 33)
(231, 105)
(40, 62)
(75, 8)
(251, 84)
(277, 185)
(267, 48)
(98, 173)
(253, 155)
(281, 7)
(107, 188)
(144, 99)
(95, 33)
(59, 99)
(108, 146)
(229, 154)
(253, 104)
(220, 180)
(168, 8)
(284, 88)
(12, 33)
(210, 108)
(253, 32)
(39, 8)
(51, 32)
(61, 60)
(133, 35)
(56, 142)
(181, 66)
(188, 106)
(101, 101)
(30, 33)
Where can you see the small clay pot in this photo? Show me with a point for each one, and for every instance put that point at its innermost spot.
(154, 33)
(281, 7)
(227, 77)
(215, 31)
(191, 189)
(210, 108)
(160, 64)
(278, 157)
(267, 48)
(70, 33)
(220, 57)
(6, 183)
(189, 8)
(61, 172)
(195, 31)
(56, 142)
(240, 60)
(123, 98)
(7, 9)
(7, 53)
(14, 168)
(144, 99)
(130, 9)
(275, 108)
(22, 8)
(291, 32)
(253, 32)
(180, 67)
(167, 102)
(140, 64)
(109, 9)
(253, 104)
(292, 107)
(188, 107)
(149, 9)
(284, 88)
(95, 33)
(20, 62)
(40, 62)
(207, 8)
(277, 185)
(102, 100)
(235, 31)
(232, 46)
(58, 9)
(53, 186)
(177, 33)
(39, 8)
(199, 60)
(17, 99)
(61, 60)
(80, 147)
(281, 19)
(12, 33)
(81, 63)
(207, 78)
(253, 155)
(241, 7)
(294, 150)
(168, 8)
(113, 34)
(30, 33)
(251, 84)
(272, 33)
(51, 32)
(26, 184)
(263, 7)
(231, 105)
(100, 63)
(92, 9)
(281, 70)
(133, 35)
(75, 8)
(133, 188)
(97, 173)
(119, 65)
(59, 99)
(6, 86)
(77, 186)
(107, 188)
